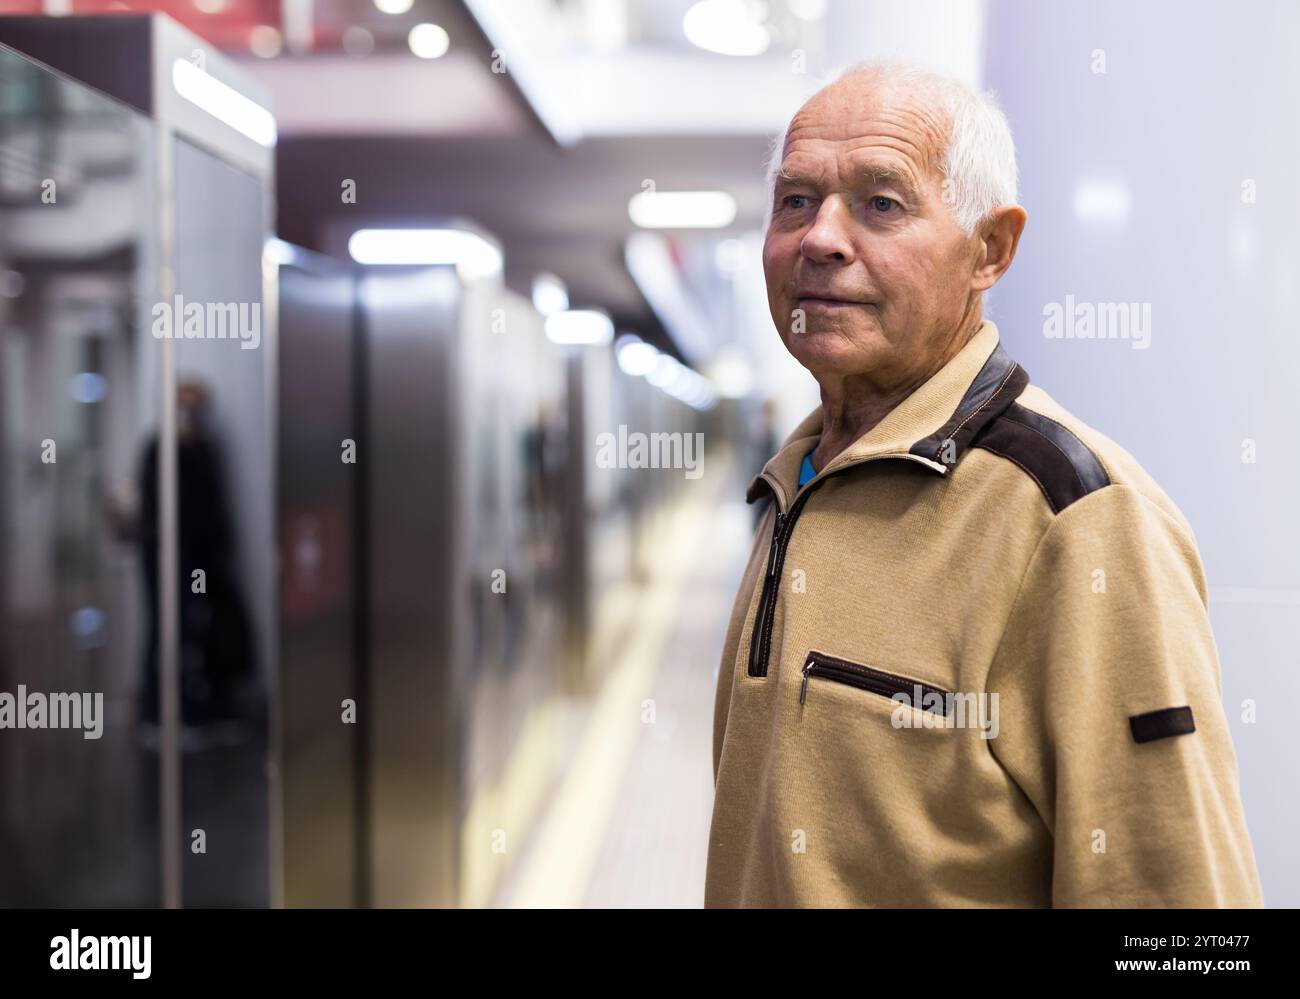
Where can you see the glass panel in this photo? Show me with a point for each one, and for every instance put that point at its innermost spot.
(226, 530)
(78, 778)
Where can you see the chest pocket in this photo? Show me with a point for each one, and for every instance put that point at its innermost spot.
(827, 668)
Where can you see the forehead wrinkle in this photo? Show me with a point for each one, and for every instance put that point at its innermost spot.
(863, 162)
(918, 132)
(901, 122)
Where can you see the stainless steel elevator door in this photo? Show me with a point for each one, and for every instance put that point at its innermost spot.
(321, 703)
(417, 592)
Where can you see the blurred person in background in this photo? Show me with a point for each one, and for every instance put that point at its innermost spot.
(215, 641)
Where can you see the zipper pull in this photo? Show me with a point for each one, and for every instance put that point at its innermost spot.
(803, 689)
(771, 552)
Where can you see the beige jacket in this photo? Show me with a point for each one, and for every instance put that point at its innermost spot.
(970, 664)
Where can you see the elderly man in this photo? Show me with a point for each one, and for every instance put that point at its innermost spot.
(970, 662)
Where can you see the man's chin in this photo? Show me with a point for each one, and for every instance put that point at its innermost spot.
(834, 351)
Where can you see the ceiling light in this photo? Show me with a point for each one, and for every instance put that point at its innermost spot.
(682, 383)
(428, 41)
(472, 255)
(635, 356)
(579, 326)
(393, 6)
(277, 251)
(808, 10)
(549, 294)
(265, 41)
(682, 209)
(728, 27)
(223, 102)
(664, 371)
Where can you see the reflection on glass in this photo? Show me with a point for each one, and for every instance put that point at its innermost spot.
(215, 637)
(225, 531)
(78, 789)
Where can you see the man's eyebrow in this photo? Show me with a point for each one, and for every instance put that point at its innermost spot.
(877, 173)
(784, 177)
(882, 173)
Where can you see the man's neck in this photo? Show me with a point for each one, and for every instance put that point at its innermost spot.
(852, 407)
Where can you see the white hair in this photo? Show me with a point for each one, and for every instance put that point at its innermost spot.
(979, 162)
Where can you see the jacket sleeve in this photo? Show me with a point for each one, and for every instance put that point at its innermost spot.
(1111, 622)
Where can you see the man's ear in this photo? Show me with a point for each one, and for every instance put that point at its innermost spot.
(999, 235)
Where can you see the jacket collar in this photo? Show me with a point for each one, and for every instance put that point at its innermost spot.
(932, 427)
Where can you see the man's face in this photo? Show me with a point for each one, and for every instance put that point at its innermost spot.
(861, 246)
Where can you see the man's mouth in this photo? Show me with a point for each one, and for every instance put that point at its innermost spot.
(826, 302)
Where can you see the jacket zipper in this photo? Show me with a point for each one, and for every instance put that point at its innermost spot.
(761, 637)
(874, 680)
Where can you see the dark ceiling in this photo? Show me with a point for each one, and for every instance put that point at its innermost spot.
(562, 210)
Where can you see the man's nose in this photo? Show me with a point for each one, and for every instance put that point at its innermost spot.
(828, 240)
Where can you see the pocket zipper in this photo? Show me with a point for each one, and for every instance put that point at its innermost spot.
(873, 680)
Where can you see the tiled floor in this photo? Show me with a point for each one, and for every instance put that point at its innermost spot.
(654, 850)
(647, 827)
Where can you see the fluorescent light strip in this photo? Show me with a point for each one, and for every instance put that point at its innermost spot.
(727, 27)
(580, 326)
(635, 356)
(682, 209)
(224, 103)
(549, 294)
(472, 255)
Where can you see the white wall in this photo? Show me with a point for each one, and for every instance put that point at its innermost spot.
(1133, 179)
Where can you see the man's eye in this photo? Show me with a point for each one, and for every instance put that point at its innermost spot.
(882, 204)
(789, 200)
